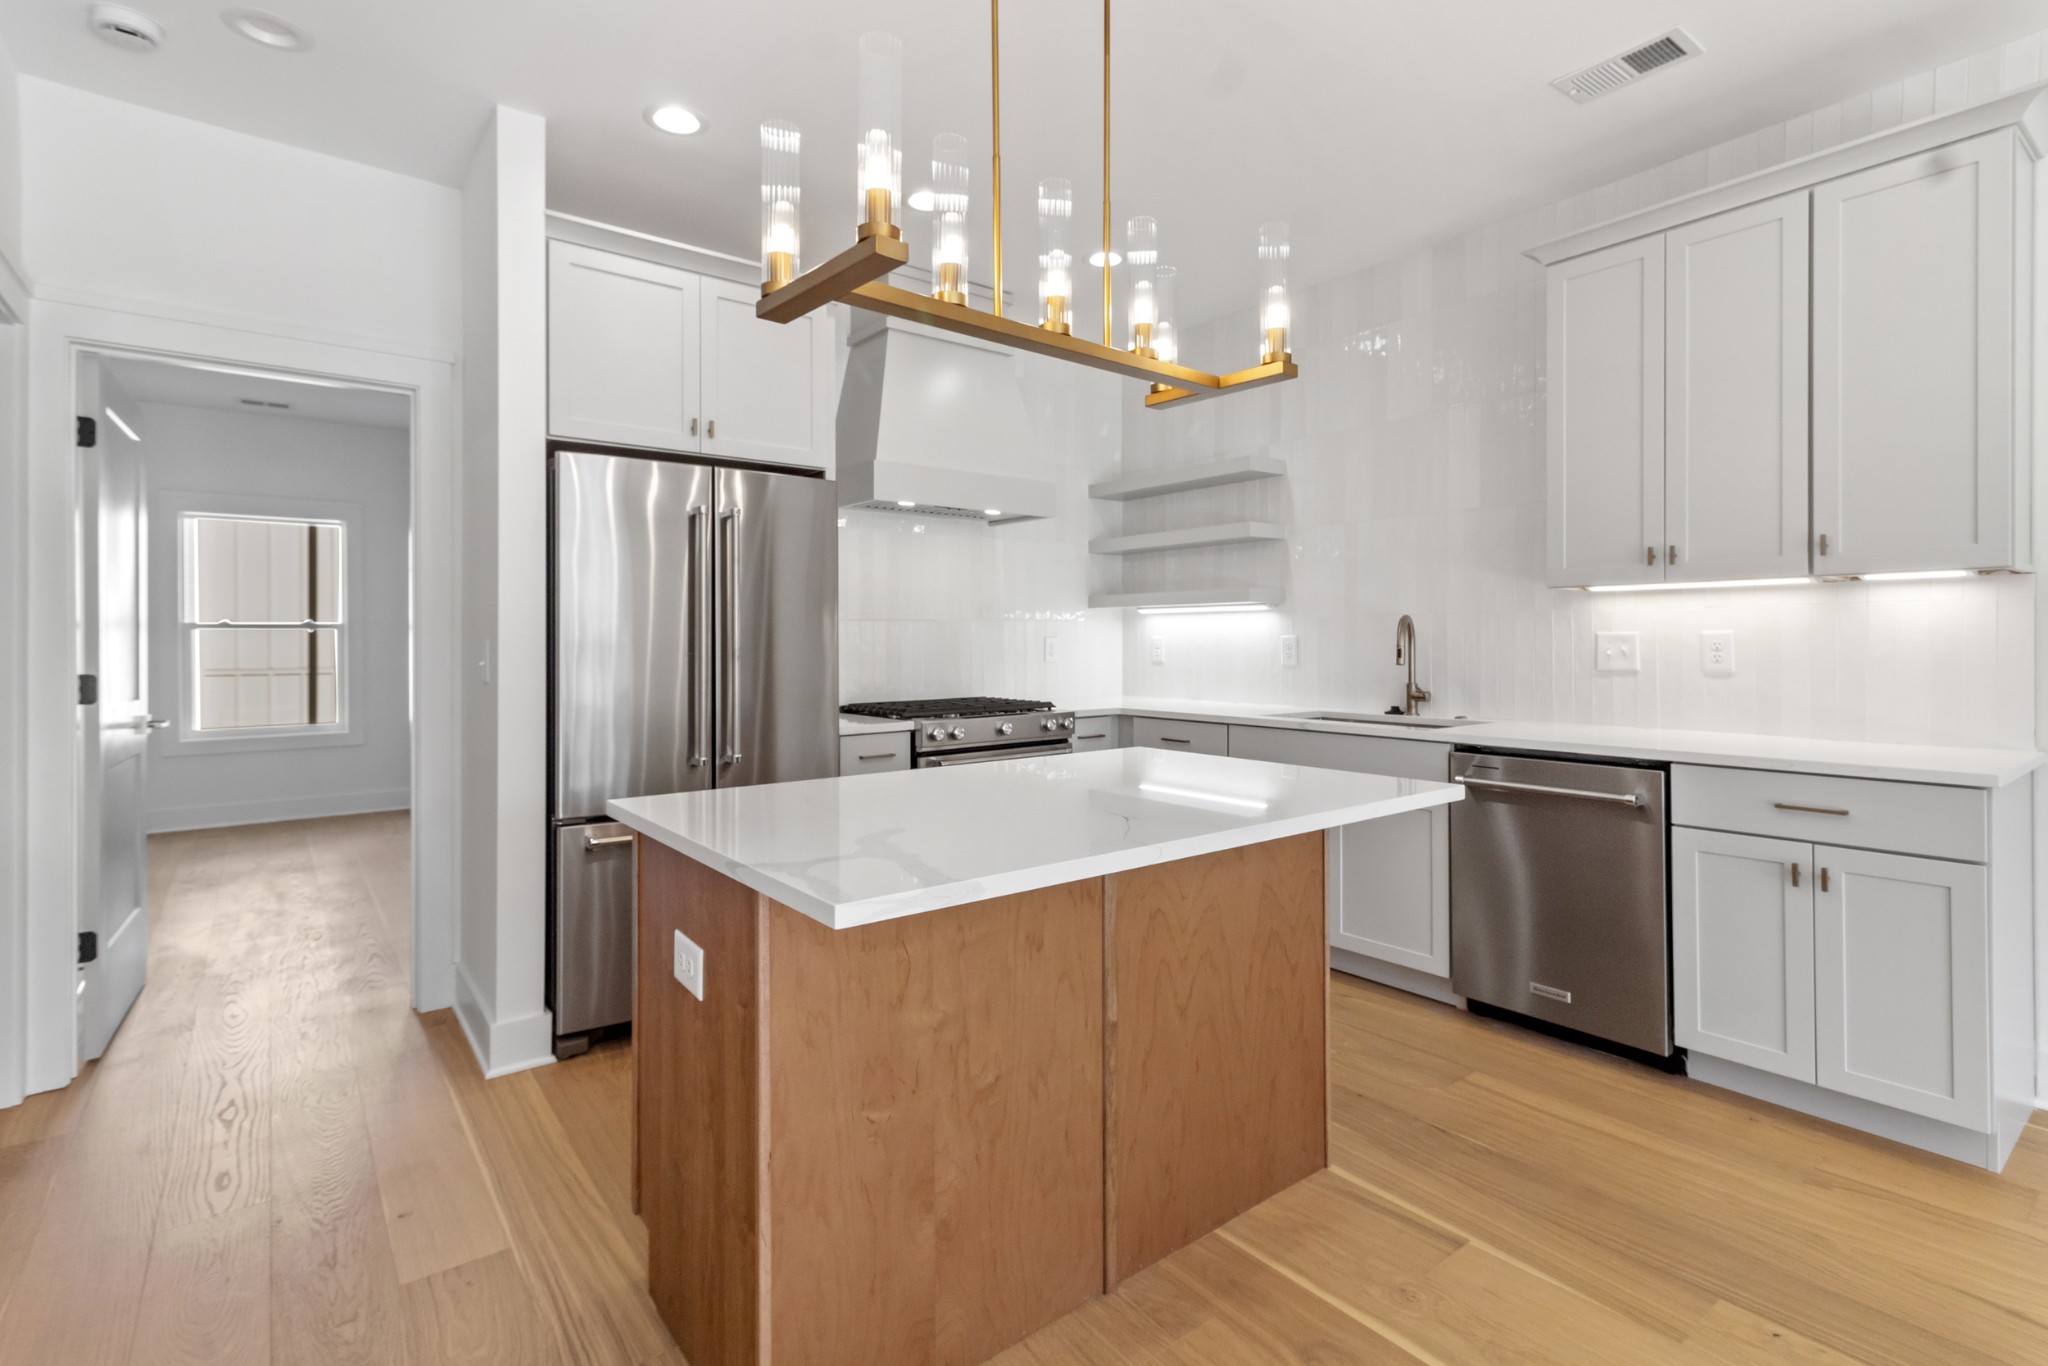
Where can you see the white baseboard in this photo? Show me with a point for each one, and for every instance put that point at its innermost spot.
(502, 1047)
(262, 811)
(1932, 1135)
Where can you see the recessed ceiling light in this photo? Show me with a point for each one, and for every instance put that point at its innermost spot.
(1116, 258)
(261, 26)
(673, 118)
(126, 29)
(922, 200)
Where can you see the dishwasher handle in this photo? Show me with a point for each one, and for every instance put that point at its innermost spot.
(1618, 798)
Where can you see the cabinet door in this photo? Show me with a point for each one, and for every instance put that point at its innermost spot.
(1742, 949)
(1914, 349)
(622, 349)
(1735, 430)
(769, 388)
(1606, 437)
(1903, 995)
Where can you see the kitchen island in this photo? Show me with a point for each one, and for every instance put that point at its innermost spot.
(924, 1060)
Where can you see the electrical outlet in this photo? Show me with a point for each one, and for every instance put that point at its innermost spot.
(690, 965)
(1158, 650)
(1717, 653)
(1290, 651)
(1052, 649)
(1617, 652)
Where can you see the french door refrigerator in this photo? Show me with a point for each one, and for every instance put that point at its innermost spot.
(693, 644)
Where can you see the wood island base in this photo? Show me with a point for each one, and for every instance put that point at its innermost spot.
(916, 1141)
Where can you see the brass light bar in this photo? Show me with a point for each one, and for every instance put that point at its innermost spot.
(855, 277)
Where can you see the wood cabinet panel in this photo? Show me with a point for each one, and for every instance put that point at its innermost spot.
(1216, 1027)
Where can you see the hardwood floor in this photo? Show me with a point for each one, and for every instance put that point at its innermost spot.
(279, 1162)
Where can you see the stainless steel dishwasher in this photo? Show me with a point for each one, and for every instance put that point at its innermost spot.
(1558, 894)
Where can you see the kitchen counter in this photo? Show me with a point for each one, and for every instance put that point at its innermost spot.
(1952, 766)
(852, 851)
(862, 725)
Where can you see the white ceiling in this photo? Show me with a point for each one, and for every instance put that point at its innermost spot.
(1372, 125)
(242, 391)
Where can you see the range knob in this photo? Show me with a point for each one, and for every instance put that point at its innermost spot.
(1067, 724)
(1005, 728)
(959, 732)
(1049, 724)
(936, 733)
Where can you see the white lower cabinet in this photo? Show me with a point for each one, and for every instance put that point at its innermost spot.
(1389, 880)
(1742, 981)
(1903, 993)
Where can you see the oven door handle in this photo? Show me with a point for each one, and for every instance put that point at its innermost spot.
(988, 757)
(1618, 798)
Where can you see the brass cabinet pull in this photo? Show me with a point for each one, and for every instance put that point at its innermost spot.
(693, 426)
(1174, 740)
(1795, 875)
(1823, 543)
(1671, 554)
(1649, 554)
(1091, 737)
(711, 429)
(870, 758)
(1823, 879)
(1811, 810)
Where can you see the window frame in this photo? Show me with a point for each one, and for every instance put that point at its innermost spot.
(179, 512)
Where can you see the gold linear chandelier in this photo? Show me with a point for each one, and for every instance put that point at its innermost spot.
(855, 276)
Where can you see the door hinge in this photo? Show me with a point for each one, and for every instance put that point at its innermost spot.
(88, 690)
(88, 947)
(88, 433)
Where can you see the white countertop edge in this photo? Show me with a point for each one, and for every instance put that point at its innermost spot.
(1943, 765)
(871, 910)
(861, 725)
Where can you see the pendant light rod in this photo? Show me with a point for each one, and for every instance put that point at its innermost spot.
(995, 125)
(1107, 320)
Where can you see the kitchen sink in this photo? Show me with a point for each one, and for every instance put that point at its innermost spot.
(1370, 719)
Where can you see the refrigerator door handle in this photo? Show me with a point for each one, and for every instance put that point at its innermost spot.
(729, 625)
(700, 633)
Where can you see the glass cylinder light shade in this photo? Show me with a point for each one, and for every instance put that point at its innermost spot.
(781, 196)
(879, 175)
(949, 218)
(1274, 318)
(1141, 259)
(1165, 346)
(1055, 260)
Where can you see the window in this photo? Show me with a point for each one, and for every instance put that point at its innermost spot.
(267, 624)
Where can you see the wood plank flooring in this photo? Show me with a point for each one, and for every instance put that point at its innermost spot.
(279, 1162)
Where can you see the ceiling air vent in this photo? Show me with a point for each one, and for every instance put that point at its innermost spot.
(1604, 77)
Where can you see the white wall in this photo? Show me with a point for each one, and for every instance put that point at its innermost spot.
(1414, 442)
(124, 203)
(501, 932)
(10, 158)
(938, 607)
(203, 451)
(13, 432)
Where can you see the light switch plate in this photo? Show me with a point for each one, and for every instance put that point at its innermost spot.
(1158, 650)
(1617, 652)
(1290, 651)
(1717, 653)
(690, 965)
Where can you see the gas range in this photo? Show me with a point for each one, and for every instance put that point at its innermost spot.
(969, 730)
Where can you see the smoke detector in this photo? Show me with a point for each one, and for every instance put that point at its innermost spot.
(1604, 78)
(126, 29)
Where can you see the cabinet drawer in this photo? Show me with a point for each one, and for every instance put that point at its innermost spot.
(1202, 737)
(874, 753)
(1902, 818)
(1095, 732)
(1352, 753)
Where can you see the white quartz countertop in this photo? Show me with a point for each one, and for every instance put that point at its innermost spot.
(1786, 754)
(862, 725)
(852, 851)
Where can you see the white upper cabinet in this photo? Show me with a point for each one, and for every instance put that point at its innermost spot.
(1920, 390)
(1735, 429)
(1606, 446)
(622, 349)
(641, 354)
(768, 390)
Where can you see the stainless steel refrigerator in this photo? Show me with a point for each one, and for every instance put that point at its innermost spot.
(693, 643)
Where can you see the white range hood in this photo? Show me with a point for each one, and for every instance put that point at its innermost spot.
(934, 424)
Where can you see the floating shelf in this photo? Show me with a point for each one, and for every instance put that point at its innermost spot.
(1180, 478)
(1225, 533)
(1194, 599)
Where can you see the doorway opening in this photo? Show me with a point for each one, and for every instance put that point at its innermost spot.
(245, 625)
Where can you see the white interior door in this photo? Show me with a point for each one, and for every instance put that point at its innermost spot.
(1735, 429)
(114, 730)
